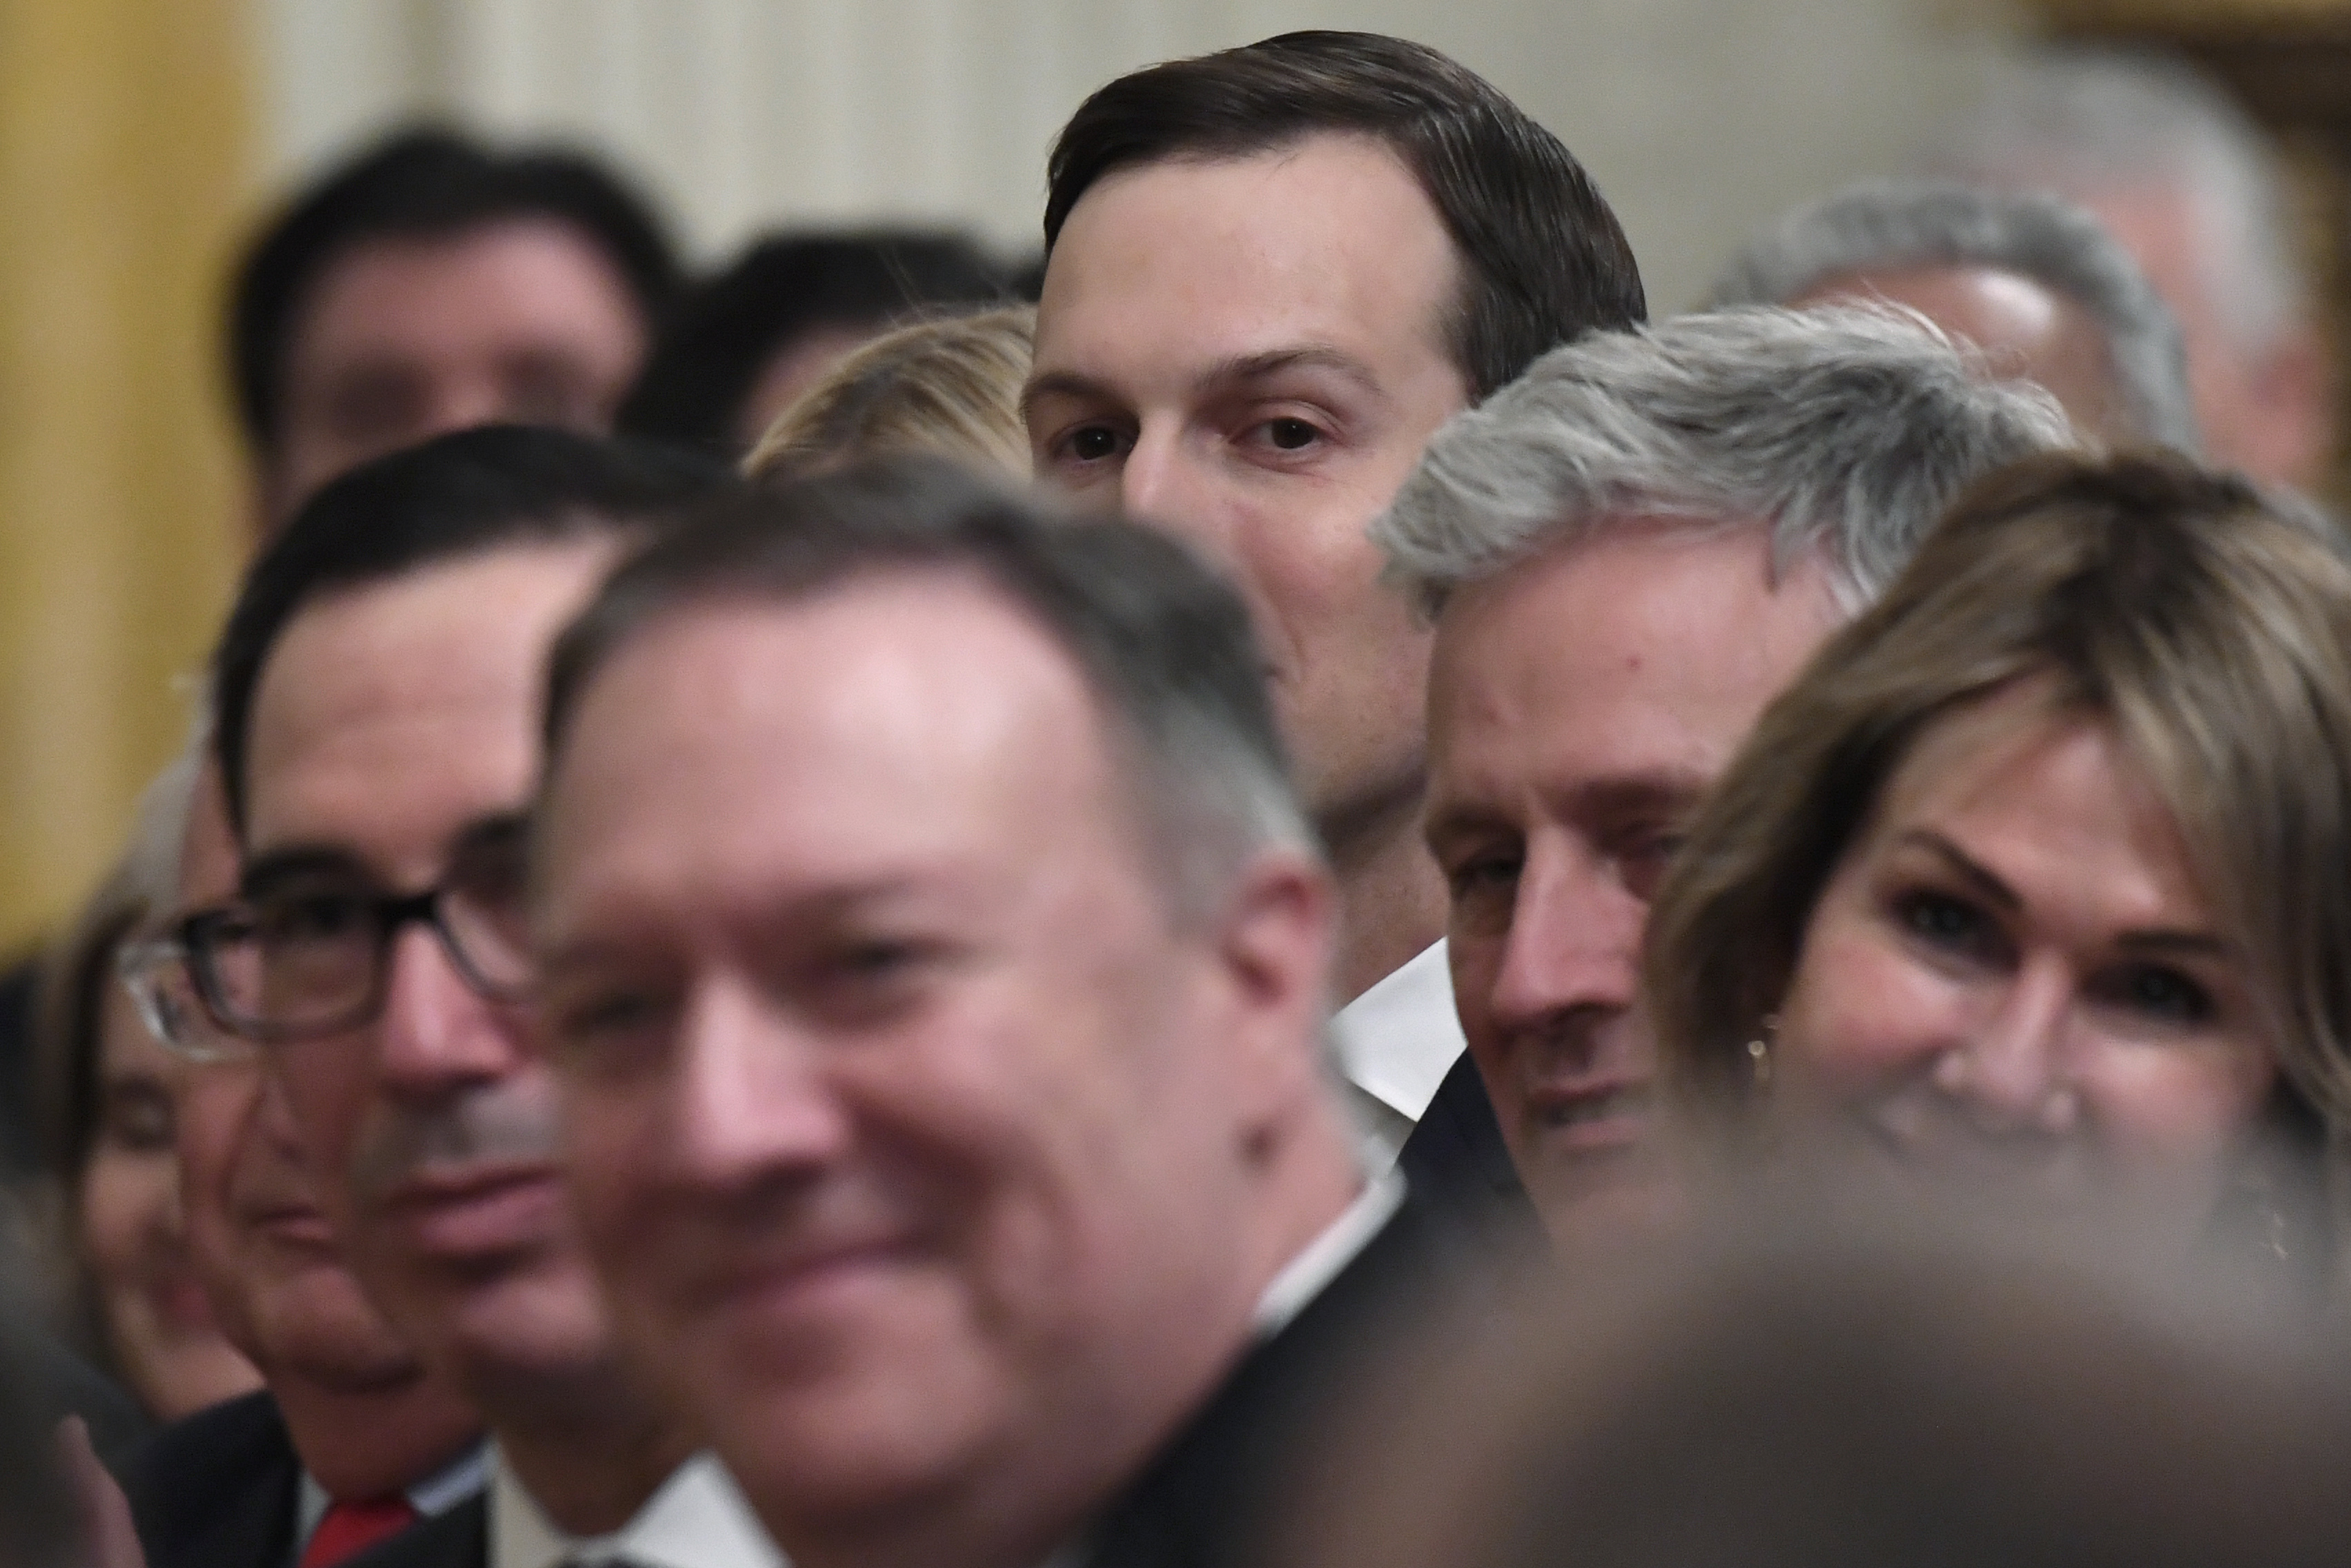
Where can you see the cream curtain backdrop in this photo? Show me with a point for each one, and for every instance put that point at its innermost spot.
(124, 159)
(1699, 117)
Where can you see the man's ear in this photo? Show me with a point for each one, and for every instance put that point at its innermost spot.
(1272, 947)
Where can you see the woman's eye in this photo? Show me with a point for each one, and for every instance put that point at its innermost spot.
(1943, 921)
(141, 1120)
(2163, 993)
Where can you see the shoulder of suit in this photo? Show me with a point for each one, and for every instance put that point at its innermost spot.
(231, 1438)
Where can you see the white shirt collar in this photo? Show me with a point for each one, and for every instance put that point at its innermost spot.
(1306, 1276)
(1398, 1039)
(697, 1520)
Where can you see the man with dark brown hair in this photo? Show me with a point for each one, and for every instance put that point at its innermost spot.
(1272, 272)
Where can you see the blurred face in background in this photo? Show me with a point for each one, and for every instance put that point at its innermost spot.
(259, 1232)
(2011, 973)
(1581, 704)
(393, 725)
(403, 338)
(1252, 353)
(132, 1239)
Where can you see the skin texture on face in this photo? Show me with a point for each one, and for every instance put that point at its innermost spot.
(2267, 411)
(1250, 352)
(1580, 705)
(389, 719)
(2012, 973)
(2028, 332)
(935, 1168)
(134, 1239)
(405, 338)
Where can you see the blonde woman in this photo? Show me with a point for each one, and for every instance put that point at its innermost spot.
(2040, 868)
(949, 387)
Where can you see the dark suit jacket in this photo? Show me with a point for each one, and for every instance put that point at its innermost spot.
(1214, 1495)
(460, 1538)
(217, 1489)
(1461, 1176)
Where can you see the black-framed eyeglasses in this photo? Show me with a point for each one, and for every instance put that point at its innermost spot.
(313, 956)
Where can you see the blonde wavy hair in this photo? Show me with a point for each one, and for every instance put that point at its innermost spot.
(948, 386)
(2211, 630)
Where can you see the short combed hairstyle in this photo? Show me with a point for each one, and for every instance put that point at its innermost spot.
(2210, 633)
(1164, 644)
(709, 358)
(1846, 431)
(422, 184)
(460, 494)
(1884, 225)
(949, 386)
(1543, 260)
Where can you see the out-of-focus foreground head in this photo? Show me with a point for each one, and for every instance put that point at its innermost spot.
(745, 345)
(2030, 278)
(1628, 553)
(431, 284)
(933, 953)
(2177, 171)
(1272, 272)
(949, 387)
(1793, 1392)
(376, 693)
(2032, 875)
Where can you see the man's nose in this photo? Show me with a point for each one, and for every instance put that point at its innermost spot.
(2009, 1073)
(1162, 482)
(1574, 942)
(433, 1030)
(751, 1099)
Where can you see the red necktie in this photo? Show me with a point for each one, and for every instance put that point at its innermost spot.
(351, 1528)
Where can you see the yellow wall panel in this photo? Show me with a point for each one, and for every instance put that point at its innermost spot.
(123, 142)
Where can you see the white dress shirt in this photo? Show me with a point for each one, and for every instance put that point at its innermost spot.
(697, 1520)
(1396, 1042)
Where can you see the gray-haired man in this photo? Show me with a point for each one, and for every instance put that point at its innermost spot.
(2035, 281)
(2181, 175)
(1627, 553)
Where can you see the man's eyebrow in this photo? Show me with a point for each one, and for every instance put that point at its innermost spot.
(263, 872)
(1303, 357)
(497, 831)
(1239, 367)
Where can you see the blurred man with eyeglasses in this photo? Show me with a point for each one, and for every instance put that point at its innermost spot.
(352, 1439)
(376, 692)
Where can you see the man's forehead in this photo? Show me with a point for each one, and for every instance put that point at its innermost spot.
(1328, 242)
(412, 695)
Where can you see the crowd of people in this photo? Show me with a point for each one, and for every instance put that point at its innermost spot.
(1286, 889)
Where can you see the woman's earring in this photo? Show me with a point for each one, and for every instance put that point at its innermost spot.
(1758, 1054)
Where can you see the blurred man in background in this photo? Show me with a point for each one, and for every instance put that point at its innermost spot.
(2179, 175)
(742, 346)
(1271, 273)
(376, 690)
(351, 1440)
(431, 284)
(2030, 278)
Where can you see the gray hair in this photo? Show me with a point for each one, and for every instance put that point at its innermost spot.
(1848, 431)
(1882, 225)
(2083, 120)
